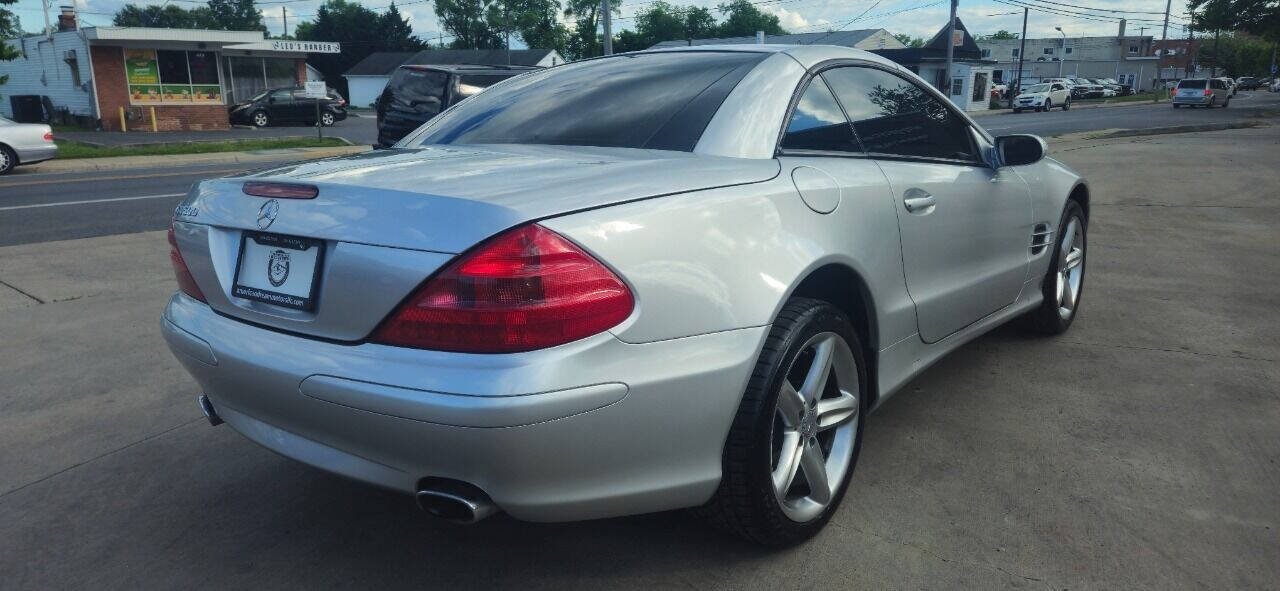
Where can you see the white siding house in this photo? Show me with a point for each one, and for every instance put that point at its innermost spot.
(56, 66)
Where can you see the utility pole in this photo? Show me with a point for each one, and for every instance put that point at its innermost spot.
(951, 45)
(608, 28)
(285, 15)
(47, 31)
(1164, 46)
(1022, 52)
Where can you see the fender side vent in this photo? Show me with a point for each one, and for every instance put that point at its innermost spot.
(1041, 238)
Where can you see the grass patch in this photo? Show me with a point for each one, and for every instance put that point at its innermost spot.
(69, 149)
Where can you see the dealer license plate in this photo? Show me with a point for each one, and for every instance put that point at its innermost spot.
(279, 270)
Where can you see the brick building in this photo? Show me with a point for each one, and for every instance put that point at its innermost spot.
(139, 78)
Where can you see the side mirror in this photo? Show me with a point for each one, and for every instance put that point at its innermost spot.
(1019, 150)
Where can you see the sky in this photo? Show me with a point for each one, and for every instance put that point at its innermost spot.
(919, 18)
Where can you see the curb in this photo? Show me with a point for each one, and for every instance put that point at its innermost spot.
(1107, 134)
(186, 142)
(135, 162)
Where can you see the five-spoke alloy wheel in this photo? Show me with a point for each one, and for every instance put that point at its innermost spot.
(796, 437)
(1064, 283)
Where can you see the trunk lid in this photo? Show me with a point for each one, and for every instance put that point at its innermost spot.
(386, 220)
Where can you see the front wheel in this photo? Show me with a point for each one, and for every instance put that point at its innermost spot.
(260, 119)
(1048, 105)
(1064, 282)
(796, 437)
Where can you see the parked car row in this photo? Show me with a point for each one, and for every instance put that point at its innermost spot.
(1059, 92)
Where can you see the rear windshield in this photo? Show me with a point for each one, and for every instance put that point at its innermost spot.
(469, 84)
(657, 101)
(1192, 84)
(410, 84)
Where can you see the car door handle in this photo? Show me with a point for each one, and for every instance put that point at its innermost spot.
(917, 201)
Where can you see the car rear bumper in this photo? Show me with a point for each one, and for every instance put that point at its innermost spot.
(1192, 100)
(33, 154)
(595, 428)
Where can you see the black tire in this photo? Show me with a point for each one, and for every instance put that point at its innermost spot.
(1212, 100)
(1227, 103)
(8, 160)
(1066, 106)
(1176, 105)
(260, 119)
(1048, 105)
(1046, 319)
(327, 119)
(745, 504)
(1017, 111)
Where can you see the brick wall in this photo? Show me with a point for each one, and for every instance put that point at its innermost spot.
(300, 71)
(113, 93)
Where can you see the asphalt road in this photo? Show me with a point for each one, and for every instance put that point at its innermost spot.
(1137, 451)
(1084, 118)
(39, 207)
(36, 207)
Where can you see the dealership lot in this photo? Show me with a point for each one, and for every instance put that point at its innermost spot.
(1140, 450)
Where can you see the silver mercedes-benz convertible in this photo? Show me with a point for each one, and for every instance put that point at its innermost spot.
(652, 281)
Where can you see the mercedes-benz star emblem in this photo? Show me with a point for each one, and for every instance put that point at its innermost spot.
(267, 214)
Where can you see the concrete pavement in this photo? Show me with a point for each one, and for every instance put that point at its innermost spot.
(1138, 451)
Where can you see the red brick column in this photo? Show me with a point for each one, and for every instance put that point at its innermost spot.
(300, 71)
(109, 83)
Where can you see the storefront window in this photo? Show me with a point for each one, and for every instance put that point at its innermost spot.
(249, 76)
(173, 77)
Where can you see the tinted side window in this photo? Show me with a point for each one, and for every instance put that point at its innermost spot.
(818, 123)
(282, 96)
(412, 87)
(892, 115)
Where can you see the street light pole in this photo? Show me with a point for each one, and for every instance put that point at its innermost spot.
(1164, 48)
(1062, 55)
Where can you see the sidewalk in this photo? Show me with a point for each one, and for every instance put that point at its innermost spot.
(127, 162)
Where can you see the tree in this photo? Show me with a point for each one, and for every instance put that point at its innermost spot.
(584, 42)
(1240, 54)
(1216, 16)
(998, 35)
(360, 31)
(665, 22)
(535, 22)
(743, 19)
(167, 16)
(10, 27)
(908, 40)
(235, 15)
(466, 21)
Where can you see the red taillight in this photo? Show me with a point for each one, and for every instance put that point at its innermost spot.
(1208, 91)
(280, 190)
(48, 136)
(186, 283)
(526, 289)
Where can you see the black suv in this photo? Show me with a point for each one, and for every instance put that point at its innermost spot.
(415, 94)
(288, 105)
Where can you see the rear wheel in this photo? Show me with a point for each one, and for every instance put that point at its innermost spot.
(326, 119)
(8, 159)
(1066, 106)
(1064, 283)
(796, 437)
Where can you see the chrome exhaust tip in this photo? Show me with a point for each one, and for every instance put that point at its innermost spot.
(206, 406)
(455, 501)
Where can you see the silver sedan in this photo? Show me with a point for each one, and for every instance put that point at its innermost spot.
(24, 143)
(645, 282)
